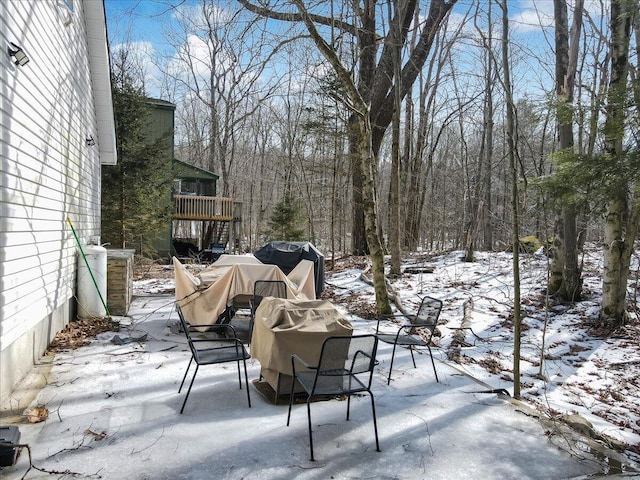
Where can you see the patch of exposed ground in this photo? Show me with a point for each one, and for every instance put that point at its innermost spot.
(80, 332)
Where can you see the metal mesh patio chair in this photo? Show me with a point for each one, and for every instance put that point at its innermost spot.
(345, 367)
(209, 350)
(417, 333)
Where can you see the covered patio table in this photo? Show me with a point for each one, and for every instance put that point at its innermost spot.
(204, 300)
(283, 327)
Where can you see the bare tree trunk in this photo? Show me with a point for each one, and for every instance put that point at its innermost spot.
(510, 126)
(488, 130)
(481, 226)
(635, 70)
(394, 187)
(565, 273)
(622, 214)
(373, 96)
(358, 238)
(370, 214)
(367, 159)
(428, 139)
(334, 193)
(366, 68)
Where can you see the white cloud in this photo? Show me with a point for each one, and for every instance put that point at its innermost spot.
(218, 17)
(532, 15)
(142, 55)
(140, 48)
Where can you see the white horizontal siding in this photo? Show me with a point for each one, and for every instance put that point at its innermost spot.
(47, 171)
(44, 262)
(42, 191)
(22, 316)
(35, 247)
(34, 132)
(50, 282)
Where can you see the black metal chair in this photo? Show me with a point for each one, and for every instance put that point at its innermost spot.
(417, 333)
(209, 350)
(261, 289)
(345, 367)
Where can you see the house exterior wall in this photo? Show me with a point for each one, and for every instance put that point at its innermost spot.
(48, 172)
(161, 124)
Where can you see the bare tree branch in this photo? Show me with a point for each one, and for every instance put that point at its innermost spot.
(267, 12)
(355, 102)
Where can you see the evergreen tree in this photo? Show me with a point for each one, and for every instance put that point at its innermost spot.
(285, 221)
(136, 191)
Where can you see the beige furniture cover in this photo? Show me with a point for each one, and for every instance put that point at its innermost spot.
(221, 266)
(203, 302)
(226, 259)
(283, 327)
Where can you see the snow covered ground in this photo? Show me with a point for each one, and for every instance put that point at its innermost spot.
(579, 371)
(113, 408)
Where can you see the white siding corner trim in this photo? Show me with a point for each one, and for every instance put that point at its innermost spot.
(101, 79)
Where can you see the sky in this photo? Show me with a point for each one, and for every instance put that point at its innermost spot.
(139, 20)
(144, 21)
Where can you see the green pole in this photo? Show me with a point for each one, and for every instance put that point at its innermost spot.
(106, 309)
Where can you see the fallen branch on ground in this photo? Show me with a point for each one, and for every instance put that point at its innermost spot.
(391, 293)
(32, 466)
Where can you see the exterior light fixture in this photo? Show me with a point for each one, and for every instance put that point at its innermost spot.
(90, 141)
(17, 54)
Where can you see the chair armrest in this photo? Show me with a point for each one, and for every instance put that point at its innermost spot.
(295, 358)
(360, 352)
(228, 341)
(408, 328)
(389, 316)
(397, 315)
(355, 357)
(300, 360)
(430, 326)
(204, 325)
(215, 328)
(386, 317)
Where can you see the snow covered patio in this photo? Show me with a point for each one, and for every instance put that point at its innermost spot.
(114, 414)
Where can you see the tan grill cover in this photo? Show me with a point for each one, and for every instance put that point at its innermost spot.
(283, 327)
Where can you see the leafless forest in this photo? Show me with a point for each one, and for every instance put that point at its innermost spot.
(256, 105)
(428, 125)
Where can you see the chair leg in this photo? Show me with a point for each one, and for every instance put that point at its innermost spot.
(393, 354)
(246, 381)
(189, 391)
(185, 374)
(310, 434)
(433, 364)
(293, 382)
(250, 333)
(375, 423)
(239, 375)
(413, 359)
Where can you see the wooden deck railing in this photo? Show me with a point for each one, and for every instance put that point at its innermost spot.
(197, 207)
